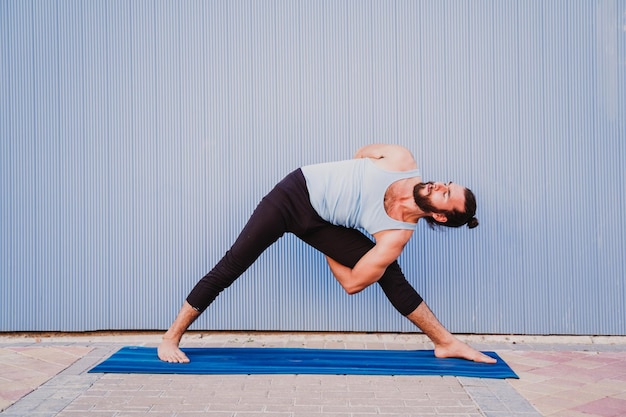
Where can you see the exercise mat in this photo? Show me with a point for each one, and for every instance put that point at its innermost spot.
(144, 360)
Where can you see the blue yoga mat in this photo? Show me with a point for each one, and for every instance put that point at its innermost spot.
(144, 360)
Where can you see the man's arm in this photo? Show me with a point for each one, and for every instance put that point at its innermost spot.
(392, 157)
(372, 265)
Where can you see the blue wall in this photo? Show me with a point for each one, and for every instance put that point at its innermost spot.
(137, 136)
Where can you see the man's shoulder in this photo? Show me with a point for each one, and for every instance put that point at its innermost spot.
(397, 163)
(395, 158)
(393, 237)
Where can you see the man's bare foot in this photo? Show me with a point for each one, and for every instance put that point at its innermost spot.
(458, 349)
(168, 351)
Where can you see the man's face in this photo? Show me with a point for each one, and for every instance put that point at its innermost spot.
(437, 197)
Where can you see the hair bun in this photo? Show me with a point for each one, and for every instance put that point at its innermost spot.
(472, 223)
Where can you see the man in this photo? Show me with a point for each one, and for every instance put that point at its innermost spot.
(381, 191)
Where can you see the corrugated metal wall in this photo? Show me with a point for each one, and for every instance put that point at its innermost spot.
(137, 136)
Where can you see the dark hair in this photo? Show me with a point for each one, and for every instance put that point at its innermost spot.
(457, 218)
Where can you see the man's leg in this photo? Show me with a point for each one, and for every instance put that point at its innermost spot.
(446, 345)
(168, 350)
(264, 227)
(285, 208)
(347, 246)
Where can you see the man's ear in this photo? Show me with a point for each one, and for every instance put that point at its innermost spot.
(440, 217)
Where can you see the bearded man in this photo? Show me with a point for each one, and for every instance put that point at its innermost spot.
(380, 191)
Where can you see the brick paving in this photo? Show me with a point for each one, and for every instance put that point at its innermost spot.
(557, 380)
(579, 383)
(24, 369)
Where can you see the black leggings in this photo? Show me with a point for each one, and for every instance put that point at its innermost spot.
(287, 208)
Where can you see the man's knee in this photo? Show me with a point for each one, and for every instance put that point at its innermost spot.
(399, 291)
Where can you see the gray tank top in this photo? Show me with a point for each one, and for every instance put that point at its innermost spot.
(351, 193)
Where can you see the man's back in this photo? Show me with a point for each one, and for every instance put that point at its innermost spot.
(389, 157)
(351, 193)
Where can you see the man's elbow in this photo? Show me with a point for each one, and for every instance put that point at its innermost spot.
(354, 286)
(353, 289)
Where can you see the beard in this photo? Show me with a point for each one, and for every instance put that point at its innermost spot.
(423, 201)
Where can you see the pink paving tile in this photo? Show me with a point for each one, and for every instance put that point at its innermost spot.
(541, 389)
(4, 403)
(603, 372)
(578, 399)
(573, 384)
(517, 366)
(548, 405)
(56, 355)
(25, 368)
(14, 395)
(578, 374)
(621, 366)
(607, 387)
(603, 358)
(571, 413)
(11, 373)
(566, 383)
(557, 371)
(621, 377)
(605, 407)
(556, 357)
(585, 364)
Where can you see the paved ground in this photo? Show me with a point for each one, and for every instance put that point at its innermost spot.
(46, 375)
